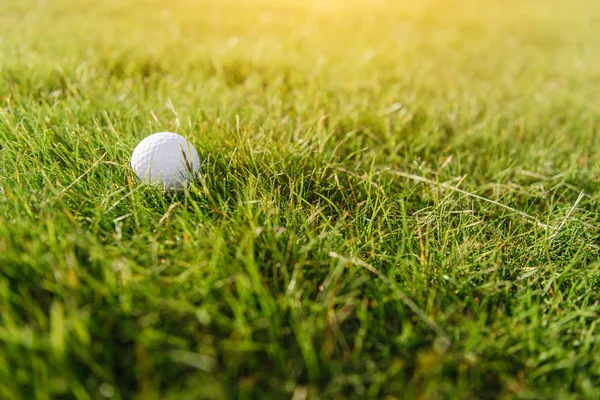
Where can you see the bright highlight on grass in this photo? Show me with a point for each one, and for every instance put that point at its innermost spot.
(389, 200)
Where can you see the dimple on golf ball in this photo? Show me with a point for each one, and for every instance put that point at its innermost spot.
(165, 159)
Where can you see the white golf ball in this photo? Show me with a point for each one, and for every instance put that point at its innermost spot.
(165, 159)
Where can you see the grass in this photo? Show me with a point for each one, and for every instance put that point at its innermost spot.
(397, 200)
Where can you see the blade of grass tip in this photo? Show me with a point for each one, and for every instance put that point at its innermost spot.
(453, 189)
(468, 194)
(556, 230)
(188, 164)
(401, 295)
(6, 119)
(110, 124)
(168, 213)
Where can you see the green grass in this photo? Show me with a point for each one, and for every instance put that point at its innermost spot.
(358, 230)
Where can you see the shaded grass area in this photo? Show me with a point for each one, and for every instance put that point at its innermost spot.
(357, 230)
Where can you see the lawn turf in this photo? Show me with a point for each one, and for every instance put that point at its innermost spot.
(397, 199)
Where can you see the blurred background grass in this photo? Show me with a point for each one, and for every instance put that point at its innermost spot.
(527, 65)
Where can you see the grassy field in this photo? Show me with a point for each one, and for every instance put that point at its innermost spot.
(398, 199)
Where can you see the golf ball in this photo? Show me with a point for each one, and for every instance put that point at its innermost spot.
(165, 159)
